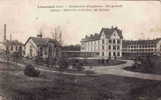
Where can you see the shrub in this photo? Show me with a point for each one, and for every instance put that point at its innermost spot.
(78, 66)
(31, 71)
(38, 60)
(63, 64)
(89, 72)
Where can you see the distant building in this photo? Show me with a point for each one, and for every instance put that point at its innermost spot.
(142, 47)
(2, 47)
(69, 51)
(106, 44)
(42, 47)
(13, 46)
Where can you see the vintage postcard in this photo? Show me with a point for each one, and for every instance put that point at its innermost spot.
(80, 50)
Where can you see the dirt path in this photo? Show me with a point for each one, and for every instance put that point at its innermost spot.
(112, 70)
(118, 70)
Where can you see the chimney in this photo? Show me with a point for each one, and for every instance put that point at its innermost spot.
(5, 32)
(116, 27)
(39, 35)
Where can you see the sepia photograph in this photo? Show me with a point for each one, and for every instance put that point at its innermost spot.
(80, 50)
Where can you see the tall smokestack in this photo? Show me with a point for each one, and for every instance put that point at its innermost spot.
(5, 32)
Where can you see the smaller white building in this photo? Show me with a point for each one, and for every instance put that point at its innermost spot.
(42, 47)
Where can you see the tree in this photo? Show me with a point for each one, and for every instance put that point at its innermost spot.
(57, 34)
(72, 47)
(78, 66)
(31, 71)
(63, 64)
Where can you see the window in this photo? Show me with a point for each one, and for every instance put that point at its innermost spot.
(30, 51)
(102, 47)
(45, 51)
(118, 47)
(114, 54)
(109, 47)
(109, 54)
(114, 47)
(118, 41)
(118, 54)
(114, 41)
(41, 51)
(103, 41)
(102, 53)
(140, 46)
(11, 47)
(16, 48)
(110, 41)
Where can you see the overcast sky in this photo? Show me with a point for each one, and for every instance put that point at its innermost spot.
(137, 20)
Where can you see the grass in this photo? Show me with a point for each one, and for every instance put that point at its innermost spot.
(153, 66)
(57, 86)
(96, 62)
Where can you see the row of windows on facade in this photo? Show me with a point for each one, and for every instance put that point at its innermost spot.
(141, 46)
(112, 41)
(110, 47)
(103, 41)
(139, 50)
(103, 47)
(110, 54)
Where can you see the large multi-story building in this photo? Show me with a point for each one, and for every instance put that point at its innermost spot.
(106, 44)
(109, 43)
(142, 47)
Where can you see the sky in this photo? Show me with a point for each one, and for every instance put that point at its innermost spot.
(137, 19)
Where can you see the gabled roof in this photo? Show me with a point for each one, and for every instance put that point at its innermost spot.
(108, 32)
(42, 41)
(92, 37)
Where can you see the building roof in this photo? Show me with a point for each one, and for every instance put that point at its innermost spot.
(42, 41)
(125, 43)
(92, 37)
(108, 32)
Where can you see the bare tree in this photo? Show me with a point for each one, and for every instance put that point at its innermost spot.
(57, 34)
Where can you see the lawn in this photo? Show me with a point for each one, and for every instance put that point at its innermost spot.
(57, 86)
(98, 62)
